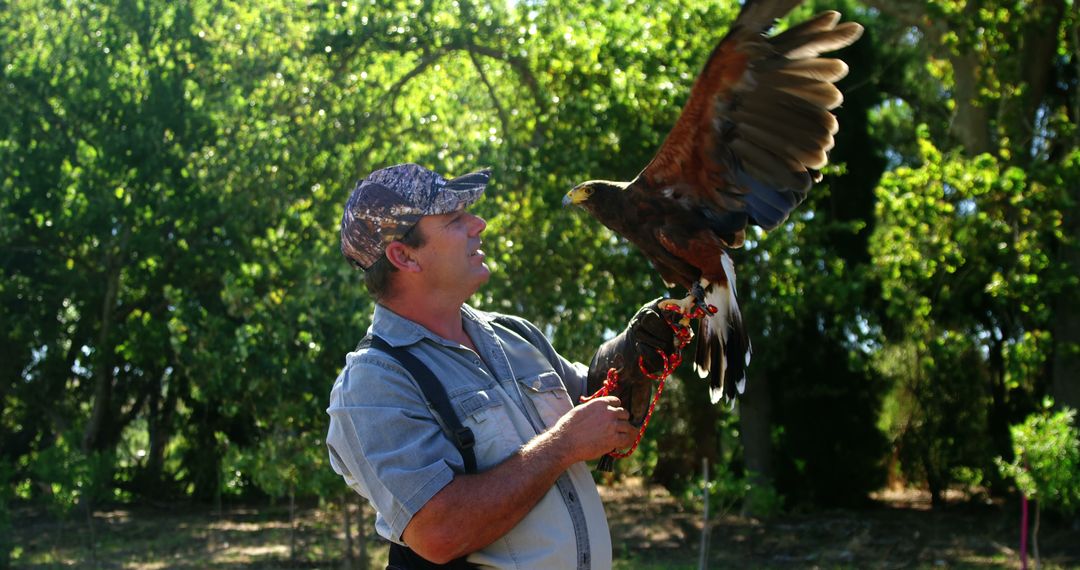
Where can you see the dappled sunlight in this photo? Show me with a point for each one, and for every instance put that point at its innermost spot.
(919, 499)
(115, 517)
(262, 526)
(156, 565)
(234, 554)
(651, 528)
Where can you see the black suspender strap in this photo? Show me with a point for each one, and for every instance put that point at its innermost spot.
(435, 394)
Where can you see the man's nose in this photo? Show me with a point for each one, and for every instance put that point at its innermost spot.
(479, 224)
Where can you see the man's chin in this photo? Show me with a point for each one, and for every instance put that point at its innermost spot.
(483, 275)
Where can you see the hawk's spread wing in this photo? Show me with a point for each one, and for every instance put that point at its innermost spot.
(757, 125)
(746, 149)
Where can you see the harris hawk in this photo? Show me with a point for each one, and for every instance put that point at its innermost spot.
(749, 144)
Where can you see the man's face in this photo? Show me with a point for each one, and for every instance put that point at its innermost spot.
(451, 254)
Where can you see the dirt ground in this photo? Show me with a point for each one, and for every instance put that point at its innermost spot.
(900, 531)
(650, 530)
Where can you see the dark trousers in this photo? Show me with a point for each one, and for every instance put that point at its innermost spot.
(403, 558)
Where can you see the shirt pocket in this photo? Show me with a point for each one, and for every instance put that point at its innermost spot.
(548, 394)
(484, 413)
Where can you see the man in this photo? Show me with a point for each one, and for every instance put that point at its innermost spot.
(532, 502)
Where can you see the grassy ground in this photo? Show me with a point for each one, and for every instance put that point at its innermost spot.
(650, 529)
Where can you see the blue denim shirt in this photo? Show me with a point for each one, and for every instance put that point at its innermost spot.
(389, 446)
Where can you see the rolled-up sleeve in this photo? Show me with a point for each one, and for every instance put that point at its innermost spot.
(575, 377)
(385, 441)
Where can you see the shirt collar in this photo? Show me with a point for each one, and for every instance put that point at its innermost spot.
(399, 331)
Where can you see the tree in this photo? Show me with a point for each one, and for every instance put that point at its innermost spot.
(1046, 458)
(975, 236)
(172, 293)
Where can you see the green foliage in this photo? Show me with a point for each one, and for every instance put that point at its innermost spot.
(171, 257)
(961, 250)
(725, 491)
(828, 448)
(957, 230)
(762, 499)
(72, 478)
(175, 307)
(942, 434)
(1046, 448)
(686, 428)
(728, 491)
(284, 463)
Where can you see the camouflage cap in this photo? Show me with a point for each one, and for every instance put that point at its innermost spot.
(389, 202)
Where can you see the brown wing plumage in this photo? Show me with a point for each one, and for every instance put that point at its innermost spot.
(756, 127)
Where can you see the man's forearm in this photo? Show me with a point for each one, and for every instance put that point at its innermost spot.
(475, 510)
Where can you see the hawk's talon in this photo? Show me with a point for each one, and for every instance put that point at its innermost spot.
(699, 307)
(698, 292)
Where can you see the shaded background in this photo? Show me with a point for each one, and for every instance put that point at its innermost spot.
(174, 306)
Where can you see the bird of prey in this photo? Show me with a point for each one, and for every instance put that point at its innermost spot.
(746, 149)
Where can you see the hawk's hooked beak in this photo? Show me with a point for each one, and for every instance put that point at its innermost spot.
(578, 195)
(568, 199)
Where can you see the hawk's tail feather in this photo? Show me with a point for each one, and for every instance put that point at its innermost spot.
(723, 348)
(724, 362)
(738, 348)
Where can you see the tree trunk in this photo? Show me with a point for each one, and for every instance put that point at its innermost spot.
(1032, 72)
(998, 415)
(678, 458)
(755, 418)
(88, 508)
(346, 506)
(361, 530)
(1023, 530)
(934, 480)
(292, 525)
(971, 125)
(103, 371)
(160, 425)
(971, 122)
(1065, 379)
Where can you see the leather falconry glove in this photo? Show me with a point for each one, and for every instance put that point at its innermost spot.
(647, 333)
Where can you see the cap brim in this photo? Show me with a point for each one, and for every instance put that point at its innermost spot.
(460, 192)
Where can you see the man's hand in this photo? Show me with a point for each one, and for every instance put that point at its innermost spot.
(594, 428)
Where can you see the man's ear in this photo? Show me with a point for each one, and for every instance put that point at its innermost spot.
(401, 256)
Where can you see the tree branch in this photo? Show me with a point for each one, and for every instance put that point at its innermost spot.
(521, 67)
(503, 118)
